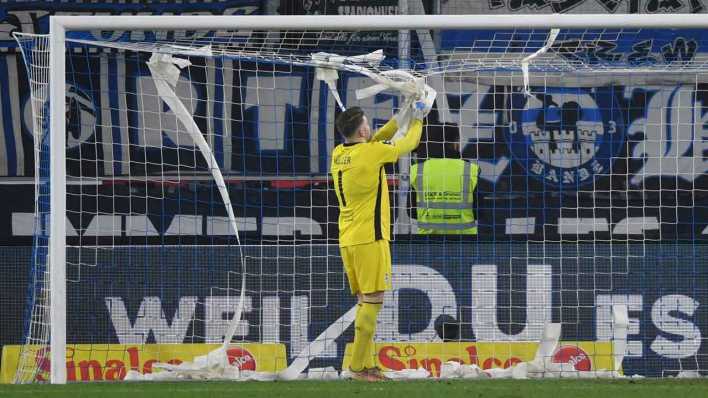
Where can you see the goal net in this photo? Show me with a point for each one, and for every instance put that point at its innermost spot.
(189, 170)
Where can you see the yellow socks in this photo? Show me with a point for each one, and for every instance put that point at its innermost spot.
(365, 326)
(369, 361)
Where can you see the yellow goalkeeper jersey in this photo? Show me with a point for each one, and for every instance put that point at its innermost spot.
(361, 184)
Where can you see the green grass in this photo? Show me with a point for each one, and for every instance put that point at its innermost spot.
(342, 389)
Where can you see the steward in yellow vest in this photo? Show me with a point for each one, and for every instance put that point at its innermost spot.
(443, 184)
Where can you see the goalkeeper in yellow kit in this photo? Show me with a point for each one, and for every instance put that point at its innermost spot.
(364, 218)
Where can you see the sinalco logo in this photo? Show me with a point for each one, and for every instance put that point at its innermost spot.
(241, 358)
(573, 355)
(565, 136)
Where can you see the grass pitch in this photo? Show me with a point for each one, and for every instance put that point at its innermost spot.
(403, 389)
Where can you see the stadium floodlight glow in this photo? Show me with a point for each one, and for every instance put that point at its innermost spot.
(273, 47)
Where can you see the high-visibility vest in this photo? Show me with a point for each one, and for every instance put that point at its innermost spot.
(444, 191)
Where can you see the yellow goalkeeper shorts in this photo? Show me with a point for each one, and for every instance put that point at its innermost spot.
(368, 266)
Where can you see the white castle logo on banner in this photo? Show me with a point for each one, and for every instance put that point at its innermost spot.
(565, 136)
(561, 142)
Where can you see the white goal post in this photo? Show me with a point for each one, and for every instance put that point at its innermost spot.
(60, 25)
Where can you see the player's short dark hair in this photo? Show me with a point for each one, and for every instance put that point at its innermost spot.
(439, 141)
(348, 122)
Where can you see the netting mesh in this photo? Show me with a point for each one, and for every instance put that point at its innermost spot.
(571, 219)
(35, 49)
(569, 49)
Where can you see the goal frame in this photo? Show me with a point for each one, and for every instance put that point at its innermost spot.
(60, 25)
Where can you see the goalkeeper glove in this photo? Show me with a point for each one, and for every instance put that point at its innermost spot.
(422, 106)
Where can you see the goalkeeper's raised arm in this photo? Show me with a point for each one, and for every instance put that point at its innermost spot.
(387, 131)
(419, 110)
(410, 141)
